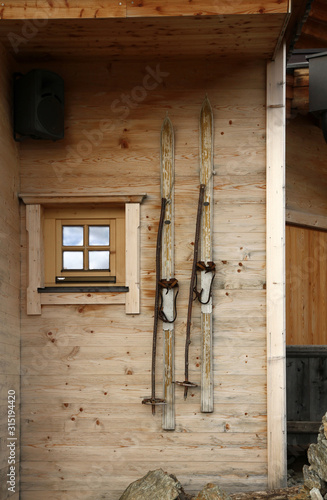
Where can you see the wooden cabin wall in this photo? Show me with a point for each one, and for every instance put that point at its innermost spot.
(306, 195)
(306, 288)
(9, 285)
(306, 172)
(87, 368)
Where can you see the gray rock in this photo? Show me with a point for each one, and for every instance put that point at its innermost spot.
(154, 485)
(317, 456)
(212, 492)
(312, 479)
(315, 494)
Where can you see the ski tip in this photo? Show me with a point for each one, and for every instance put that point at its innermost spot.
(206, 102)
(167, 120)
(167, 126)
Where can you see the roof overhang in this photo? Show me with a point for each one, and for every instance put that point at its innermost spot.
(61, 30)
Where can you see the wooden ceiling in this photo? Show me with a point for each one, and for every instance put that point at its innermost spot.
(314, 30)
(88, 29)
(252, 35)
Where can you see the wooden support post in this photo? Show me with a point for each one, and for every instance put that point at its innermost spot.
(35, 277)
(206, 178)
(276, 334)
(132, 241)
(167, 271)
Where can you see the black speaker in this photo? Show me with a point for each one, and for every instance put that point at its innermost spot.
(38, 105)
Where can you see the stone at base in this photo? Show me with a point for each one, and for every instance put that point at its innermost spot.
(315, 494)
(154, 485)
(212, 492)
(312, 479)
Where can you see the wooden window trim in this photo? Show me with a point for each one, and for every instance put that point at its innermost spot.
(35, 205)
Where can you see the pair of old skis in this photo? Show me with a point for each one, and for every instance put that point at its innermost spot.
(165, 263)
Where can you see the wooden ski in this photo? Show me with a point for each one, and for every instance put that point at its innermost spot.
(206, 265)
(168, 282)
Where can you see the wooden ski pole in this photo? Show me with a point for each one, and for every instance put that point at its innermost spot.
(153, 401)
(186, 384)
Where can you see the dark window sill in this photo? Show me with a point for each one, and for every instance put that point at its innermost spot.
(83, 289)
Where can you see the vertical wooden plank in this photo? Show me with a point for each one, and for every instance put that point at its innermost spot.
(35, 258)
(320, 253)
(167, 271)
(306, 267)
(206, 178)
(276, 343)
(132, 265)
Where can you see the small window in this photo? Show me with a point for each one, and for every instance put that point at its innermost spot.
(84, 249)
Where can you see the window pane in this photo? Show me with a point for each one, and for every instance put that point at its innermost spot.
(72, 260)
(72, 236)
(98, 259)
(98, 235)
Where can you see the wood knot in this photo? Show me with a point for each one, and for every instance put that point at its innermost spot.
(123, 143)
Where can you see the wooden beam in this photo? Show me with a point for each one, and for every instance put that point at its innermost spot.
(283, 30)
(300, 101)
(298, 14)
(298, 427)
(35, 258)
(83, 9)
(82, 298)
(319, 10)
(297, 92)
(306, 219)
(62, 9)
(67, 199)
(276, 357)
(315, 29)
(150, 8)
(306, 351)
(132, 263)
